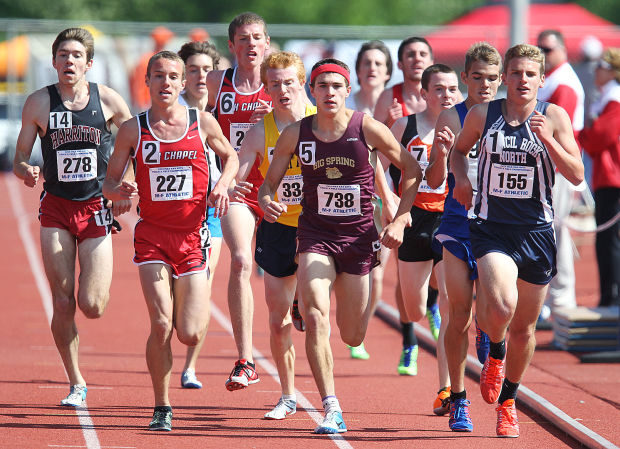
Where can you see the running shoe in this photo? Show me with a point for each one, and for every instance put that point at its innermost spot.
(298, 320)
(283, 408)
(359, 352)
(441, 406)
(189, 379)
(162, 420)
(241, 376)
(482, 343)
(507, 422)
(332, 423)
(77, 396)
(491, 379)
(408, 365)
(434, 320)
(460, 421)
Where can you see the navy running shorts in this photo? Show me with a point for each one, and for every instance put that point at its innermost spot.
(276, 246)
(531, 247)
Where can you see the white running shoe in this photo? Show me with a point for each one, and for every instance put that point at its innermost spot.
(77, 396)
(332, 423)
(189, 379)
(283, 408)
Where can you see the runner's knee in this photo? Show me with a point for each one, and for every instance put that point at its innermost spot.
(161, 330)
(241, 263)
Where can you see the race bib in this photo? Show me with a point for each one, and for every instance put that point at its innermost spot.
(339, 200)
(76, 165)
(290, 190)
(511, 181)
(237, 133)
(150, 152)
(424, 187)
(307, 152)
(227, 103)
(205, 236)
(60, 120)
(494, 141)
(104, 217)
(171, 183)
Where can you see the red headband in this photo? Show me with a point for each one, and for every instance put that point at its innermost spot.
(333, 68)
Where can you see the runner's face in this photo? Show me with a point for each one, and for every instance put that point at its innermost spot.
(196, 69)
(416, 58)
(442, 91)
(522, 79)
(250, 44)
(482, 81)
(70, 62)
(284, 87)
(330, 91)
(373, 70)
(166, 81)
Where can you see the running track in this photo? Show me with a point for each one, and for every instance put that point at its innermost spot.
(381, 408)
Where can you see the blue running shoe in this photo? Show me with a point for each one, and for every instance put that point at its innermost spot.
(460, 420)
(434, 320)
(332, 423)
(482, 344)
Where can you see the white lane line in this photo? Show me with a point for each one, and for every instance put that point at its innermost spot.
(557, 417)
(36, 266)
(270, 369)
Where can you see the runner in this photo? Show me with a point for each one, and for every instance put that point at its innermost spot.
(200, 58)
(284, 77)
(73, 118)
(416, 258)
(373, 68)
(337, 238)
(483, 66)
(512, 236)
(167, 145)
(238, 99)
(414, 56)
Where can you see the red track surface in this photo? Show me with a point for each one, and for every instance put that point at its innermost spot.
(381, 408)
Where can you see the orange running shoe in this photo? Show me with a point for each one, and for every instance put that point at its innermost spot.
(441, 406)
(491, 379)
(507, 422)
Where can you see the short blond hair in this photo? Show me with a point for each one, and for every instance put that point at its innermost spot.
(530, 52)
(483, 52)
(283, 60)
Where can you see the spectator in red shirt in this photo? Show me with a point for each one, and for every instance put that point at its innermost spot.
(601, 140)
(563, 88)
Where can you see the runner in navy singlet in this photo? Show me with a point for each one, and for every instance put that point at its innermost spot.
(482, 78)
(512, 237)
(73, 118)
(338, 240)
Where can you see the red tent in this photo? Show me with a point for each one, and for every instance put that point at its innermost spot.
(492, 24)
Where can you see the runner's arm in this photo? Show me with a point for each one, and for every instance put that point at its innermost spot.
(379, 136)
(218, 143)
(115, 186)
(467, 138)
(27, 137)
(445, 132)
(282, 154)
(556, 132)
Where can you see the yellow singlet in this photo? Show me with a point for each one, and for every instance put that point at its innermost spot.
(290, 189)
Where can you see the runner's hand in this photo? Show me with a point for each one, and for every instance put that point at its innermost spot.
(395, 112)
(32, 175)
(240, 191)
(260, 111)
(218, 199)
(273, 210)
